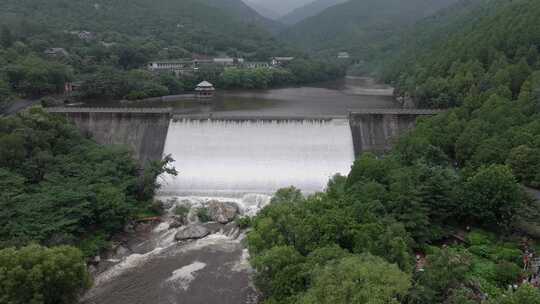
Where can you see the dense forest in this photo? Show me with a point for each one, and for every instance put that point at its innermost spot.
(359, 26)
(58, 188)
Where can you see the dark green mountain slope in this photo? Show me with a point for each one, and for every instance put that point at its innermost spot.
(308, 10)
(190, 24)
(488, 46)
(359, 26)
(247, 14)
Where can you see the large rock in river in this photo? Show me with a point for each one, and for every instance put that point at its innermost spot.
(191, 232)
(222, 212)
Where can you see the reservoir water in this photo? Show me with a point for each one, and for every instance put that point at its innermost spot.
(242, 161)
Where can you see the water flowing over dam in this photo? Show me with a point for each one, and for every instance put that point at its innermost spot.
(235, 157)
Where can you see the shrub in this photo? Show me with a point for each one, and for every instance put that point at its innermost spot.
(243, 222)
(181, 210)
(203, 215)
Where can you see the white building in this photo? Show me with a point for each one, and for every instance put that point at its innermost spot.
(281, 60)
(343, 55)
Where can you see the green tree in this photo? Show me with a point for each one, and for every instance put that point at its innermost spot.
(492, 196)
(281, 272)
(40, 275)
(446, 270)
(362, 279)
(525, 294)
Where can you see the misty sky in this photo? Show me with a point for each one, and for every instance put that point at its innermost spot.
(281, 6)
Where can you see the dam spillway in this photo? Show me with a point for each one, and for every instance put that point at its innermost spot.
(236, 157)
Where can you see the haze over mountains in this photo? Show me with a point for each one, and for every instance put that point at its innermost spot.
(309, 10)
(281, 7)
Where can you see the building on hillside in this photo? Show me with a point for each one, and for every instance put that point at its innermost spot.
(84, 35)
(228, 61)
(278, 61)
(178, 67)
(56, 52)
(255, 65)
(205, 90)
(343, 55)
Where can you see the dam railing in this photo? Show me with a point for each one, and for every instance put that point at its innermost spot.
(398, 111)
(109, 110)
(182, 114)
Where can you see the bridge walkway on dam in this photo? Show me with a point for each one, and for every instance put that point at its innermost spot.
(182, 114)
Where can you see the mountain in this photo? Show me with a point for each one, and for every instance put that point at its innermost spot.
(281, 7)
(245, 13)
(358, 26)
(308, 10)
(201, 26)
(263, 10)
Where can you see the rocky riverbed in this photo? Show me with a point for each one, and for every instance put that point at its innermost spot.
(193, 254)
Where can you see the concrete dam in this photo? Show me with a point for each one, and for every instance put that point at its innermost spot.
(225, 155)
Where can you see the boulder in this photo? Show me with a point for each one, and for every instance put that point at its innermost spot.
(222, 212)
(177, 221)
(191, 232)
(122, 251)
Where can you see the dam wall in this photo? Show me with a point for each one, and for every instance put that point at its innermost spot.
(143, 132)
(375, 130)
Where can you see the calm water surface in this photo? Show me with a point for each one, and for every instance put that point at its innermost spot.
(336, 98)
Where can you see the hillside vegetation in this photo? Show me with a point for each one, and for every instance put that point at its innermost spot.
(492, 47)
(442, 218)
(196, 26)
(359, 26)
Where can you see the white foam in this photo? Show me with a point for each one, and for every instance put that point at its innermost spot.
(130, 262)
(183, 277)
(243, 263)
(222, 158)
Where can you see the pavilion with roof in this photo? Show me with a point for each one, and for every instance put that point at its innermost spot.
(205, 89)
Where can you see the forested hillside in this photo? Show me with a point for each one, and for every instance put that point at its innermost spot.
(309, 10)
(488, 65)
(247, 14)
(487, 48)
(186, 24)
(359, 26)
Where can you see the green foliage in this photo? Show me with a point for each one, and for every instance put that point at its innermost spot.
(181, 211)
(281, 272)
(525, 294)
(203, 215)
(357, 279)
(243, 222)
(492, 196)
(60, 188)
(363, 27)
(40, 275)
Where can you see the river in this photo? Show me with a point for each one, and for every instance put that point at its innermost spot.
(239, 162)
